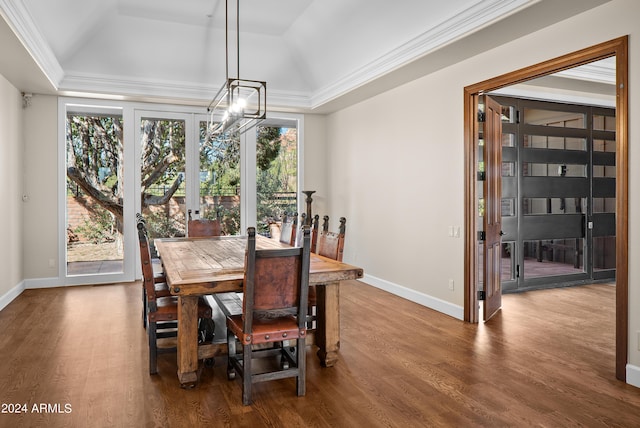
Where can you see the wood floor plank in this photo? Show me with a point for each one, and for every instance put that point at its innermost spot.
(400, 365)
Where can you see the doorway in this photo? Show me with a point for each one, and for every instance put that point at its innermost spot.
(617, 48)
(558, 189)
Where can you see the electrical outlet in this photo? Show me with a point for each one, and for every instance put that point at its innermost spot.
(52, 263)
(451, 284)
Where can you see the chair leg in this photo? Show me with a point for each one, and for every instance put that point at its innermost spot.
(144, 308)
(153, 348)
(231, 353)
(310, 317)
(246, 376)
(284, 361)
(302, 367)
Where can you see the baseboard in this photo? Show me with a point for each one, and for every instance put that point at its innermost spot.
(10, 295)
(633, 375)
(42, 283)
(414, 296)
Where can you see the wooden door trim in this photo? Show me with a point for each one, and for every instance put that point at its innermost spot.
(618, 48)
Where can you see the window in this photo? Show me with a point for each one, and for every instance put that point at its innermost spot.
(123, 158)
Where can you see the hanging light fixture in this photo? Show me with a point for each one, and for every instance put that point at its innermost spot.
(239, 104)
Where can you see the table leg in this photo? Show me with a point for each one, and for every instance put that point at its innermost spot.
(328, 322)
(188, 340)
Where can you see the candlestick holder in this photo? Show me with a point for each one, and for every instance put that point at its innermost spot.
(309, 200)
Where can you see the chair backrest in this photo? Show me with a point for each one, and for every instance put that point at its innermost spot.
(145, 260)
(274, 229)
(299, 233)
(331, 244)
(203, 227)
(315, 224)
(276, 282)
(288, 229)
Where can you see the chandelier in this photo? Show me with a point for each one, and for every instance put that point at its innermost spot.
(239, 104)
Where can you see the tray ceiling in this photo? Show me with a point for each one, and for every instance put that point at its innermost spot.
(310, 52)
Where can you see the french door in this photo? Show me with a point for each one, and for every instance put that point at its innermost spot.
(94, 190)
(164, 164)
(119, 159)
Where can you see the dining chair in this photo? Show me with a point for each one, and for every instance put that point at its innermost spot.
(288, 229)
(299, 232)
(314, 232)
(160, 281)
(161, 310)
(276, 283)
(203, 227)
(330, 245)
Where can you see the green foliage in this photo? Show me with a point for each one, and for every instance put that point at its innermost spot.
(268, 145)
(94, 146)
(230, 220)
(160, 225)
(99, 227)
(221, 158)
(276, 182)
(162, 151)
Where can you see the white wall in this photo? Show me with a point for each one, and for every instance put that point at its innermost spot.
(11, 177)
(41, 187)
(315, 174)
(396, 175)
(397, 165)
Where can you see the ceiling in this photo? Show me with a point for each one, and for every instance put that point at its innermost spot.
(316, 55)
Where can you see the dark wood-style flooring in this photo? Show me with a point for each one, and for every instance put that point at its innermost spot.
(546, 360)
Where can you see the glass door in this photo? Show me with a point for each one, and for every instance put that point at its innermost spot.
(558, 189)
(164, 164)
(219, 179)
(94, 165)
(118, 159)
(277, 188)
(250, 179)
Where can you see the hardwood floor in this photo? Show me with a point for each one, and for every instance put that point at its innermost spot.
(546, 360)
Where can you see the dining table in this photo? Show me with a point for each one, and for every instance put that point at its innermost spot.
(196, 267)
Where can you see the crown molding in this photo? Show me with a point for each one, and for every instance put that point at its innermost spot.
(20, 21)
(128, 87)
(483, 13)
(595, 72)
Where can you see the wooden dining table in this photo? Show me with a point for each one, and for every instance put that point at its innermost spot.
(196, 267)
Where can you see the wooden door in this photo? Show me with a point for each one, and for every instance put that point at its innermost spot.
(493, 207)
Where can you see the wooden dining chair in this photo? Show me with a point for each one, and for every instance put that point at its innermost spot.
(314, 232)
(160, 281)
(276, 283)
(299, 233)
(203, 227)
(161, 309)
(288, 229)
(330, 245)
